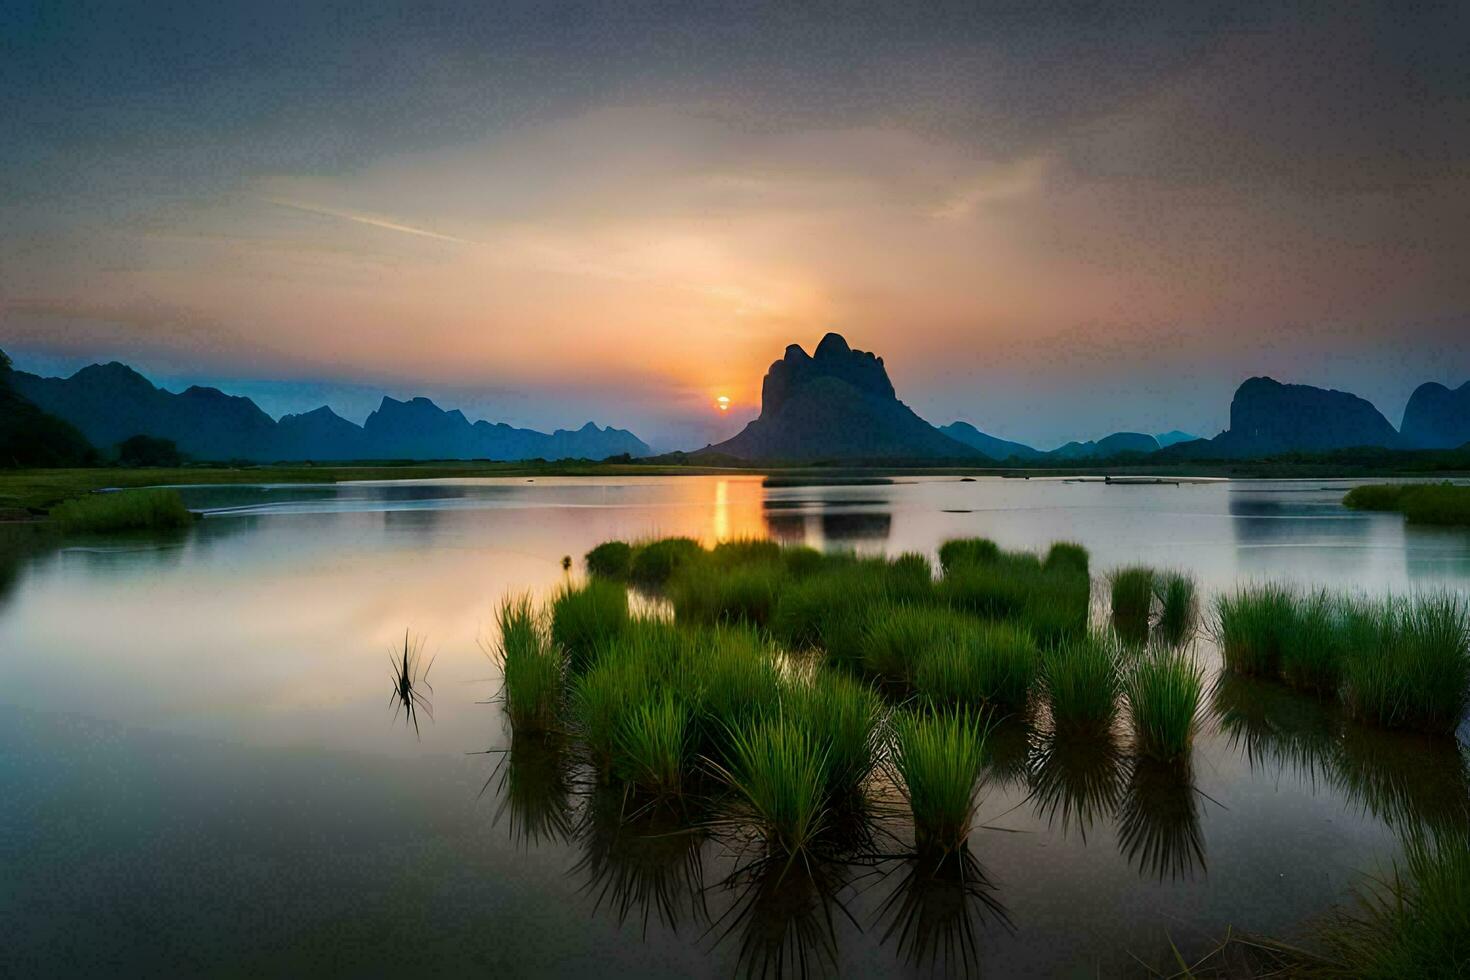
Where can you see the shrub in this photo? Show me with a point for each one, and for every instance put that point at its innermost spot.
(611, 559)
(530, 666)
(123, 510)
(967, 551)
(1252, 626)
(1163, 690)
(1083, 683)
(655, 562)
(779, 769)
(1066, 556)
(585, 619)
(1407, 664)
(1132, 600)
(991, 663)
(937, 759)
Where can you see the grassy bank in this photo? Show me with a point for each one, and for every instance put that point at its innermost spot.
(1421, 503)
(123, 510)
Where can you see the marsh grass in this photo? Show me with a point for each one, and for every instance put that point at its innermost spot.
(937, 760)
(123, 510)
(1314, 642)
(1083, 683)
(833, 609)
(651, 744)
(779, 769)
(1132, 594)
(601, 697)
(1052, 604)
(846, 715)
(1408, 662)
(1066, 556)
(611, 559)
(532, 670)
(1420, 503)
(708, 593)
(896, 637)
(586, 618)
(979, 663)
(655, 562)
(1251, 626)
(1178, 607)
(731, 680)
(740, 552)
(412, 694)
(1164, 688)
(967, 551)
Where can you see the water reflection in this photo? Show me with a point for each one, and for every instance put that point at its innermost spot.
(1078, 780)
(783, 916)
(1159, 820)
(937, 910)
(533, 783)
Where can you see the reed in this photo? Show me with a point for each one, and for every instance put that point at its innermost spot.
(1252, 625)
(1163, 688)
(984, 663)
(1408, 662)
(532, 670)
(937, 760)
(611, 559)
(123, 510)
(584, 619)
(779, 770)
(1178, 607)
(1082, 683)
(1132, 593)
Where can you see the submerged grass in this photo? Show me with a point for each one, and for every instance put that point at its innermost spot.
(586, 618)
(123, 510)
(1132, 594)
(1252, 624)
(1163, 688)
(532, 669)
(1408, 662)
(1082, 683)
(937, 759)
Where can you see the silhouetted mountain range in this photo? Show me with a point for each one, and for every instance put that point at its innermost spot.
(110, 402)
(1437, 417)
(32, 437)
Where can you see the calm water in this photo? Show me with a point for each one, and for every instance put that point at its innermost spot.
(200, 770)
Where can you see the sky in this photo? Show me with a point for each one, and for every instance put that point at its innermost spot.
(1053, 221)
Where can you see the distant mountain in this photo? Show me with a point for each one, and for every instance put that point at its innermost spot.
(1268, 418)
(1118, 442)
(1437, 417)
(110, 402)
(32, 437)
(836, 404)
(1173, 437)
(997, 449)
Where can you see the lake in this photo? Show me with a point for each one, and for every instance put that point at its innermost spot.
(202, 772)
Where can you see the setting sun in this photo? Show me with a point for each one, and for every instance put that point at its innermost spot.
(723, 403)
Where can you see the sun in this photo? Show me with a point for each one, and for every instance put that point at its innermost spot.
(723, 403)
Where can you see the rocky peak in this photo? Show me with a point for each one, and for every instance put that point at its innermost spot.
(833, 359)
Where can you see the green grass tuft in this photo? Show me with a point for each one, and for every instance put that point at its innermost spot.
(779, 770)
(967, 551)
(708, 593)
(1178, 607)
(1132, 591)
(844, 714)
(1314, 643)
(611, 559)
(1252, 624)
(652, 743)
(532, 669)
(1420, 503)
(1408, 662)
(1082, 682)
(1066, 556)
(937, 760)
(655, 562)
(123, 510)
(602, 696)
(585, 619)
(983, 663)
(1163, 689)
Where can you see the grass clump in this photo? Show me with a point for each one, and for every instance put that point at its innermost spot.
(897, 637)
(1132, 592)
(1163, 689)
(1252, 625)
(937, 759)
(728, 679)
(611, 559)
(707, 593)
(1416, 923)
(1313, 646)
(1082, 682)
(532, 669)
(967, 551)
(651, 744)
(1066, 556)
(983, 663)
(779, 770)
(844, 713)
(655, 562)
(1420, 503)
(1178, 607)
(585, 619)
(745, 551)
(831, 609)
(123, 510)
(1408, 662)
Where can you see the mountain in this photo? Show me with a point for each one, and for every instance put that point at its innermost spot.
(1173, 437)
(32, 437)
(1118, 442)
(1268, 417)
(110, 402)
(1437, 417)
(997, 449)
(836, 404)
